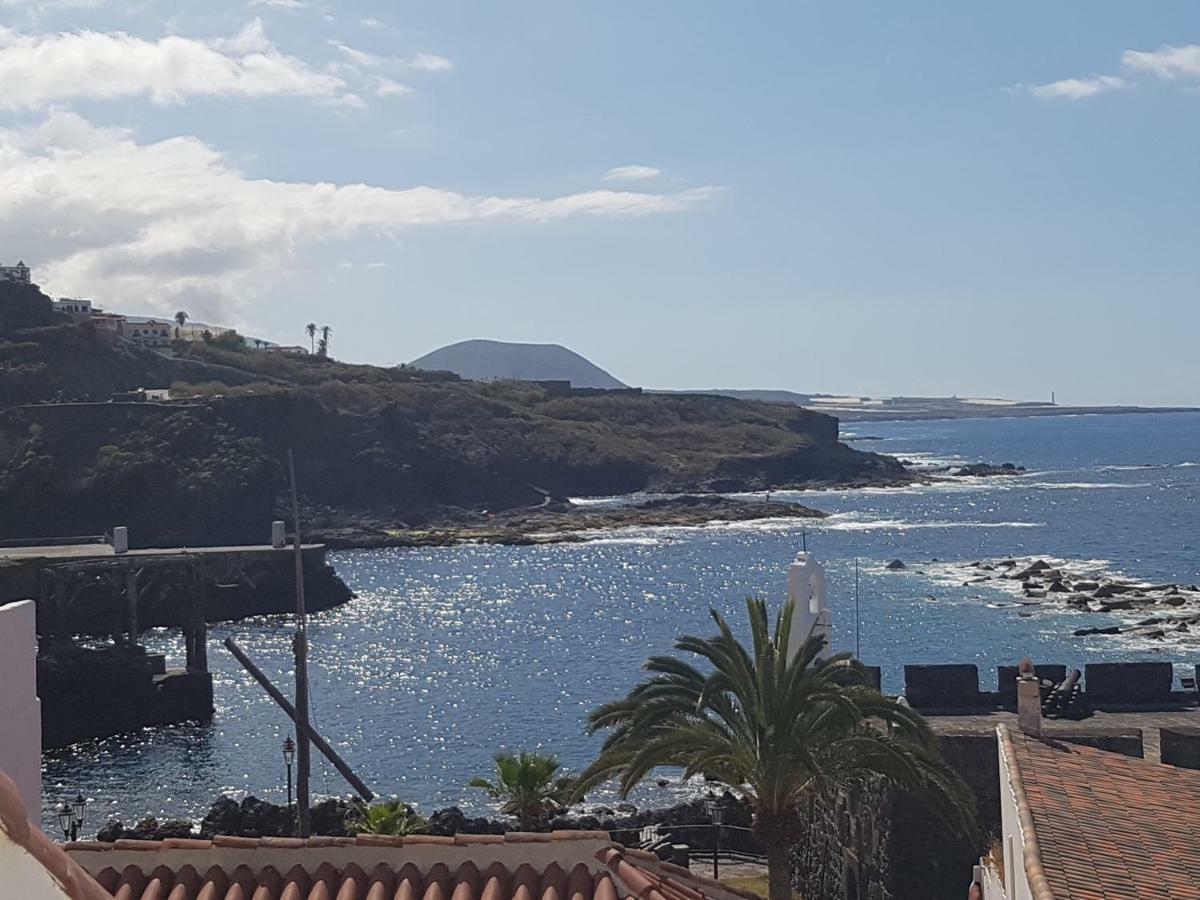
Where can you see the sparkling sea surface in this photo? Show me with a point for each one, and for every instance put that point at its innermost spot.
(450, 655)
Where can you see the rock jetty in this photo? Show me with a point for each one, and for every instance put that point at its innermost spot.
(1175, 607)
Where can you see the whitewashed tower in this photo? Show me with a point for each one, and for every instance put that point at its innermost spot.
(806, 594)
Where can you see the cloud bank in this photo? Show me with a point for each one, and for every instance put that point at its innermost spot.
(158, 223)
(43, 70)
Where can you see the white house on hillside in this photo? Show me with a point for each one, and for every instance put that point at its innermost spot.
(18, 273)
(72, 306)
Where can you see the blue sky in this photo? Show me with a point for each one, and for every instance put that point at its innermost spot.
(982, 199)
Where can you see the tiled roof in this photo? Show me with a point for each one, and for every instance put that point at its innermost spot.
(562, 865)
(1105, 826)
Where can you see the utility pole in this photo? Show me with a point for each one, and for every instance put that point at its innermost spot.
(300, 648)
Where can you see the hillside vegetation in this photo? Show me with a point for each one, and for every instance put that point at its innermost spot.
(392, 445)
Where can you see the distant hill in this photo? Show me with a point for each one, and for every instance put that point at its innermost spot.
(480, 360)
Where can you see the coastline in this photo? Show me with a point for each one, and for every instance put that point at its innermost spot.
(858, 416)
(563, 522)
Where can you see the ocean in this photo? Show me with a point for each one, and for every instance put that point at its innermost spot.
(450, 655)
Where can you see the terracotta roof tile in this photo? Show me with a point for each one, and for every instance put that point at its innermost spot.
(419, 867)
(1105, 826)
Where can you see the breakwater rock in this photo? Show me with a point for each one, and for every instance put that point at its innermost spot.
(1175, 607)
(252, 817)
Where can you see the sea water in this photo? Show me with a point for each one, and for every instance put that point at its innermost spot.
(450, 655)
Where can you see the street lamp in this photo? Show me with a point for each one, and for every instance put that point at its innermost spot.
(70, 817)
(715, 807)
(289, 755)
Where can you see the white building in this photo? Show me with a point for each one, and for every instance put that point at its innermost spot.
(72, 306)
(20, 709)
(147, 331)
(18, 273)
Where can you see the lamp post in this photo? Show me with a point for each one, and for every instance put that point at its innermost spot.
(289, 755)
(70, 817)
(715, 807)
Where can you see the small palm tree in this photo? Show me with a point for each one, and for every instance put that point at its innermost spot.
(326, 331)
(322, 348)
(181, 318)
(311, 328)
(783, 729)
(528, 786)
(389, 817)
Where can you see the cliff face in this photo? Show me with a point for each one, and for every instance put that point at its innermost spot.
(389, 444)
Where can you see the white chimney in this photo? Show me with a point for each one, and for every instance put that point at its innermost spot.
(806, 594)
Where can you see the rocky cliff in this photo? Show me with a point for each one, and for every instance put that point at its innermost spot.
(392, 444)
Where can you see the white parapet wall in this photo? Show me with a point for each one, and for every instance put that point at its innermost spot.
(20, 709)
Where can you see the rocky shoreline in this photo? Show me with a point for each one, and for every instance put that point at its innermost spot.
(333, 817)
(559, 521)
(1176, 607)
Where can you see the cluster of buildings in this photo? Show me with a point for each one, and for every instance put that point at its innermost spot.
(148, 331)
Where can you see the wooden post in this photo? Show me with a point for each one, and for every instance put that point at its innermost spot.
(300, 648)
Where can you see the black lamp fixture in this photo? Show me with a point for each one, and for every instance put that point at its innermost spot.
(715, 807)
(289, 756)
(70, 817)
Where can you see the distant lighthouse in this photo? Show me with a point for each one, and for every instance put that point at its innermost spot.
(806, 594)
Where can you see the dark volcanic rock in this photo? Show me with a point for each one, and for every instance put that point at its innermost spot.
(895, 565)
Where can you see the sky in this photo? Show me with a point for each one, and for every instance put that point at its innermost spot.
(878, 197)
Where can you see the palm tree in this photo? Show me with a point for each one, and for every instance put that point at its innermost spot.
(180, 318)
(311, 328)
(528, 786)
(389, 817)
(785, 730)
(326, 331)
(322, 348)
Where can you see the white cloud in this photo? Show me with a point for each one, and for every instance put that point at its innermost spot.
(632, 173)
(428, 62)
(171, 221)
(422, 62)
(1165, 62)
(1078, 88)
(280, 4)
(386, 87)
(43, 70)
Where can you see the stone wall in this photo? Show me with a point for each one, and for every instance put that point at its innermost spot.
(97, 692)
(955, 688)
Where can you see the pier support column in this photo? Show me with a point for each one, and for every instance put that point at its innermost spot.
(131, 601)
(195, 629)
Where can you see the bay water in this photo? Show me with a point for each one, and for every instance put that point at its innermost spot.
(450, 655)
